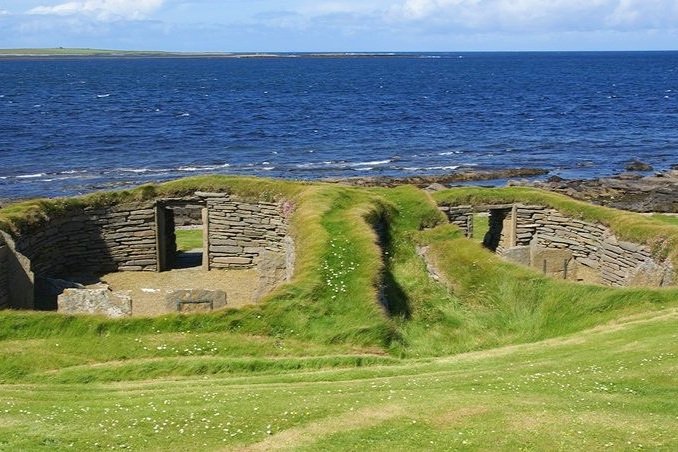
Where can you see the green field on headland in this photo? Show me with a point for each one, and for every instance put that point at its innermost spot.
(490, 356)
(65, 51)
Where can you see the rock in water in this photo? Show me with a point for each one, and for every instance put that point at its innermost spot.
(637, 165)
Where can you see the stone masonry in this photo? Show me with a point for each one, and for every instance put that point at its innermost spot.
(241, 233)
(4, 283)
(93, 240)
(125, 237)
(594, 248)
(565, 247)
(462, 216)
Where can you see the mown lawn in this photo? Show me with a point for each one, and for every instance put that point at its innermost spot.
(613, 387)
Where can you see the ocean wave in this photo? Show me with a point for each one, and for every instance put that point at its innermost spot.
(202, 168)
(31, 176)
(451, 153)
(102, 96)
(434, 168)
(134, 170)
(372, 163)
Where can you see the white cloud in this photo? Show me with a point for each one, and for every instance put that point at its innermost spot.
(101, 9)
(552, 15)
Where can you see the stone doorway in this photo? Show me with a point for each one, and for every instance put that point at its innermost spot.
(182, 235)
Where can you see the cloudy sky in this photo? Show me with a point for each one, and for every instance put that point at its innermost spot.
(341, 25)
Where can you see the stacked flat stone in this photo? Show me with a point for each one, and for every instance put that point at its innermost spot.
(93, 240)
(242, 232)
(618, 263)
(4, 283)
(462, 216)
(592, 245)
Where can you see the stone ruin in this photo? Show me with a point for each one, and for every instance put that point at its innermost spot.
(37, 267)
(563, 247)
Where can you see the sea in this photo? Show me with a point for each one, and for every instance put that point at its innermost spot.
(76, 125)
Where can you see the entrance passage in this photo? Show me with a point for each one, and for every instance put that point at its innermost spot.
(182, 234)
(189, 241)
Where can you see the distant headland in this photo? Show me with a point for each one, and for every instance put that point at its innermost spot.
(108, 53)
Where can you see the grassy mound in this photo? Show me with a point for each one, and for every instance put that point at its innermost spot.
(372, 351)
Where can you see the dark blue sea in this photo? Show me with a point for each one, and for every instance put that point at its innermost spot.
(71, 126)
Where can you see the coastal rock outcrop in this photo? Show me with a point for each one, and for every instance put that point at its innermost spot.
(654, 193)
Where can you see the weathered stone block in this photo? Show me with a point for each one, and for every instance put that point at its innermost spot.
(232, 260)
(95, 301)
(195, 300)
(518, 255)
(229, 249)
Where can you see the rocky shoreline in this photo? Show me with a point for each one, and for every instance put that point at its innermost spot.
(628, 191)
(631, 191)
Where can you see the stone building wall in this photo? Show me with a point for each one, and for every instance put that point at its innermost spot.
(93, 240)
(595, 249)
(242, 233)
(565, 247)
(462, 216)
(4, 270)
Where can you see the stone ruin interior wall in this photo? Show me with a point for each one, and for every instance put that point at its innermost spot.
(598, 256)
(16, 277)
(243, 234)
(564, 247)
(87, 241)
(93, 241)
(4, 276)
(462, 216)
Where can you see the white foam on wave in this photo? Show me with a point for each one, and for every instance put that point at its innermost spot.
(203, 168)
(134, 170)
(451, 153)
(102, 96)
(268, 168)
(372, 163)
(184, 115)
(31, 176)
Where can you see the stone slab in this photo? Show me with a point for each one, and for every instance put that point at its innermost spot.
(99, 301)
(195, 300)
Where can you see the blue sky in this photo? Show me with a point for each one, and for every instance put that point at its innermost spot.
(341, 25)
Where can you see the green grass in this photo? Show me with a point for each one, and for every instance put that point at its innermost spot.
(669, 219)
(65, 51)
(189, 239)
(492, 355)
(612, 387)
(481, 225)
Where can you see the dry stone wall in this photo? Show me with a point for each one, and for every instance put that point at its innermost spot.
(595, 248)
(93, 240)
(96, 240)
(462, 216)
(566, 247)
(242, 233)
(4, 270)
